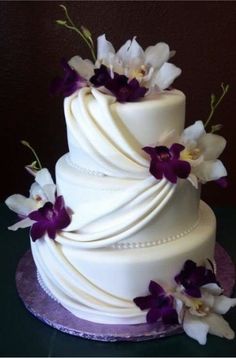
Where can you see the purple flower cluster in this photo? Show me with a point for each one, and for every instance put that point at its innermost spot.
(159, 305)
(193, 277)
(165, 162)
(119, 85)
(49, 219)
(70, 83)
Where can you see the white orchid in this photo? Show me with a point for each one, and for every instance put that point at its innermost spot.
(41, 191)
(202, 151)
(149, 67)
(200, 316)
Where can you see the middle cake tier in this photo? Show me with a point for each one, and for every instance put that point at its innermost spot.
(125, 213)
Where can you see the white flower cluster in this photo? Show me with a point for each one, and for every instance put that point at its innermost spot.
(150, 67)
(202, 150)
(200, 316)
(41, 191)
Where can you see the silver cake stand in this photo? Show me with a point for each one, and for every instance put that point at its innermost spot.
(42, 306)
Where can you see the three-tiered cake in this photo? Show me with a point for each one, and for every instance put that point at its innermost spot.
(125, 215)
(127, 227)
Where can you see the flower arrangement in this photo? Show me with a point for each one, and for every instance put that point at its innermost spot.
(132, 73)
(196, 303)
(43, 211)
(128, 74)
(193, 155)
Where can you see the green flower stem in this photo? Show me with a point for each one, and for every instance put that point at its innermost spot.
(71, 26)
(26, 144)
(215, 104)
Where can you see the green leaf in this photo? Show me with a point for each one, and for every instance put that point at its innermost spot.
(86, 32)
(61, 22)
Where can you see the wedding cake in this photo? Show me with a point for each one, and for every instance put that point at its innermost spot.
(125, 215)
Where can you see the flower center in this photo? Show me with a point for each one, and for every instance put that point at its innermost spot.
(50, 215)
(190, 154)
(198, 308)
(139, 72)
(165, 157)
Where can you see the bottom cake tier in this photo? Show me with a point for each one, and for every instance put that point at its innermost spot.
(99, 285)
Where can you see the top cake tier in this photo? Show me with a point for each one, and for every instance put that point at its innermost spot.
(107, 137)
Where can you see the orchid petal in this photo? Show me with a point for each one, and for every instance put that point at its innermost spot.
(63, 219)
(210, 170)
(193, 162)
(22, 224)
(122, 52)
(156, 170)
(50, 190)
(155, 289)
(166, 75)
(195, 327)
(207, 298)
(175, 149)
(151, 151)
(182, 168)
(168, 172)
(84, 68)
(193, 133)
(218, 326)
(51, 230)
(134, 55)
(212, 288)
(157, 55)
(144, 302)
(222, 304)
(193, 180)
(37, 231)
(104, 47)
(212, 145)
(169, 315)
(153, 315)
(37, 193)
(20, 204)
(179, 306)
(43, 177)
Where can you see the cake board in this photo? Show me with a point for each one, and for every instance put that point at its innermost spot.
(42, 306)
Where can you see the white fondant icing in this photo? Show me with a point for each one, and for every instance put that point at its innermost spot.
(99, 285)
(108, 209)
(108, 137)
(127, 227)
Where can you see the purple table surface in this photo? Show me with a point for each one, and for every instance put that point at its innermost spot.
(42, 306)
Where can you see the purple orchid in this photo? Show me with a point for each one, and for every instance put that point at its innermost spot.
(101, 76)
(67, 85)
(125, 90)
(159, 303)
(165, 162)
(222, 182)
(49, 219)
(120, 86)
(192, 277)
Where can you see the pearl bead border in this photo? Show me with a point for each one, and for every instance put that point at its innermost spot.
(84, 170)
(164, 240)
(46, 290)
